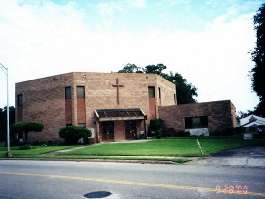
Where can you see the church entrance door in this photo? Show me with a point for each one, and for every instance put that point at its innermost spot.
(108, 131)
(130, 129)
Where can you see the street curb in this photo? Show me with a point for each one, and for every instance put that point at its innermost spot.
(100, 160)
(163, 162)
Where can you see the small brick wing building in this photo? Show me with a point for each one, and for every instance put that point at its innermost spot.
(200, 117)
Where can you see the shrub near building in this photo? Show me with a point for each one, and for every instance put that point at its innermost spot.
(72, 134)
(22, 129)
(156, 127)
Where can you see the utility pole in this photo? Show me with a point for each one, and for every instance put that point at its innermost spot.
(5, 69)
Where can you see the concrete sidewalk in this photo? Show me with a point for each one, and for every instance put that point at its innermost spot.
(85, 146)
(232, 161)
(67, 150)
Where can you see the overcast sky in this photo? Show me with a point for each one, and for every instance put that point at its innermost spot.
(207, 41)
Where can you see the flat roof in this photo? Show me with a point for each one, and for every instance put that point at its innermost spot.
(119, 114)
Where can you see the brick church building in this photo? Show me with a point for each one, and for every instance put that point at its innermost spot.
(114, 106)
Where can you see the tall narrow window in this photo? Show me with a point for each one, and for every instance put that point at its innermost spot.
(19, 110)
(80, 92)
(81, 105)
(19, 100)
(152, 102)
(151, 91)
(175, 100)
(159, 95)
(68, 92)
(68, 105)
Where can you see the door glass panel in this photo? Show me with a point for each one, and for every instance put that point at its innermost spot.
(107, 130)
(130, 129)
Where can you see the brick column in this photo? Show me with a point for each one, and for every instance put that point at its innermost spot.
(97, 137)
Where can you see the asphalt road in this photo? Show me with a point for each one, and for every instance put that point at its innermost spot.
(245, 157)
(62, 180)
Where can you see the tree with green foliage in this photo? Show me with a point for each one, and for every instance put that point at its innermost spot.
(72, 134)
(258, 56)
(155, 69)
(3, 122)
(186, 92)
(1, 125)
(23, 128)
(131, 68)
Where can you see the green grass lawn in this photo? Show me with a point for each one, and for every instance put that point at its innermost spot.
(162, 147)
(34, 152)
(172, 147)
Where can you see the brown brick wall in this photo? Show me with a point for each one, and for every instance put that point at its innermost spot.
(221, 114)
(233, 115)
(44, 99)
(100, 94)
(19, 113)
(167, 92)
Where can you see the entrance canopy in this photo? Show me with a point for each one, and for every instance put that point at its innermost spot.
(119, 114)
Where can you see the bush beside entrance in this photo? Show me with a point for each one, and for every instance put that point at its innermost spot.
(73, 134)
(157, 126)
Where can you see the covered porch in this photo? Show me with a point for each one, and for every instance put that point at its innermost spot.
(120, 124)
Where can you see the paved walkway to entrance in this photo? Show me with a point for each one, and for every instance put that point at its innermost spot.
(80, 147)
(67, 150)
(128, 141)
(247, 157)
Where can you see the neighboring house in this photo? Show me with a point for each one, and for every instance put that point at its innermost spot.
(115, 106)
(252, 121)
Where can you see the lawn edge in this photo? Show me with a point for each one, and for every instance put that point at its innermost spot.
(178, 161)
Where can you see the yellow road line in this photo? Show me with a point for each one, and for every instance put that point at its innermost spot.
(122, 182)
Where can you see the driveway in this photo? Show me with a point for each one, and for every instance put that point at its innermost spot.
(250, 152)
(246, 156)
